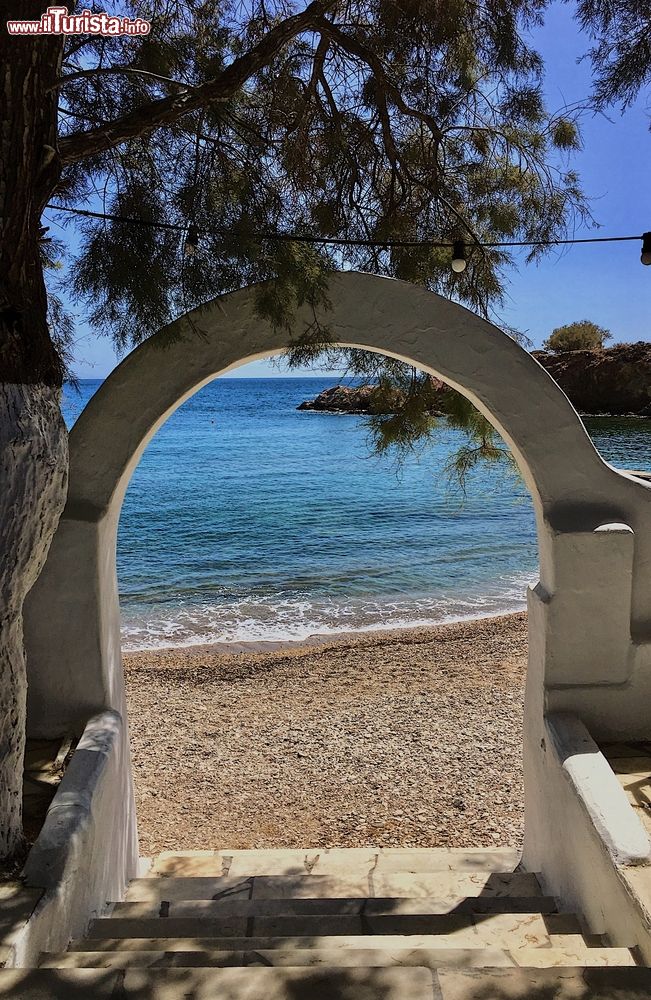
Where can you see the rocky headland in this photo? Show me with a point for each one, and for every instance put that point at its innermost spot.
(612, 380)
(367, 399)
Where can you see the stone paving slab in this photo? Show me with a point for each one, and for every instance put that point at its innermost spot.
(259, 887)
(630, 770)
(355, 862)
(576, 954)
(637, 785)
(258, 862)
(17, 903)
(633, 771)
(43, 770)
(222, 984)
(351, 906)
(453, 885)
(371, 957)
(451, 859)
(507, 930)
(546, 984)
(441, 885)
(66, 984)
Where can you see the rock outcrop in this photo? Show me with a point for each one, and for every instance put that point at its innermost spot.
(367, 399)
(342, 399)
(614, 380)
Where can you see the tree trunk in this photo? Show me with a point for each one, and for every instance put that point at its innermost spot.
(33, 474)
(33, 442)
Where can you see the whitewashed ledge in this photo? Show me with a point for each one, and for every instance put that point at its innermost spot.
(82, 858)
(599, 791)
(592, 850)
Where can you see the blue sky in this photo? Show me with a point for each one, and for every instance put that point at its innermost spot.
(605, 283)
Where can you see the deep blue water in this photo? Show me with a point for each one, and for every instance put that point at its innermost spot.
(247, 519)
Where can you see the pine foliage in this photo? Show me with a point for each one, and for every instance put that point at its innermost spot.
(621, 54)
(419, 120)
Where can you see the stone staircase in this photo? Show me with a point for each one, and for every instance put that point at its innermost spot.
(359, 924)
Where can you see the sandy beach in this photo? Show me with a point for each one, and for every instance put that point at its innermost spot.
(407, 738)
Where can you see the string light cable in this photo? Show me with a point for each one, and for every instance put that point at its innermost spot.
(459, 248)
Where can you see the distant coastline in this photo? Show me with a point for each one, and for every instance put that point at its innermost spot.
(612, 381)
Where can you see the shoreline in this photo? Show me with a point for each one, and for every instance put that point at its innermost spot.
(313, 641)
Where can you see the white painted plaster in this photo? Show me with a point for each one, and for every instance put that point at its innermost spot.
(87, 849)
(585, 842)
(598, 790)
(589, 615)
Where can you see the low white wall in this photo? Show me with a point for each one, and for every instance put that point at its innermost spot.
(582, 834)
(87, 849)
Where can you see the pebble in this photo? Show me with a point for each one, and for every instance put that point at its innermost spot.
(404, 738)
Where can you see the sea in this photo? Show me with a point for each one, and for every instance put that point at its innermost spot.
(249, 520)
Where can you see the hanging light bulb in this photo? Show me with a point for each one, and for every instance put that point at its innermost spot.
(646, 249)
(458, 256)
(191, 240)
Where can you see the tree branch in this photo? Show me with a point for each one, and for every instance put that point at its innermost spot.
(356, 48)
(311, 89)
(148, 117)
(117, 70)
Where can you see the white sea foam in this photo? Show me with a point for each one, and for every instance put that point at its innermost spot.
(293, 619)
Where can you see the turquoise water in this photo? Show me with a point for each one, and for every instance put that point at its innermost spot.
(247, 519)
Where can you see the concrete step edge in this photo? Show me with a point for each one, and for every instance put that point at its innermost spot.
(426, 957)
(358, 885)
(331, 906)
(369, 941)
(229, 926)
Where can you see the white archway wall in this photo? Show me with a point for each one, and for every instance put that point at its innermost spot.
(378, 314)
(594, 584)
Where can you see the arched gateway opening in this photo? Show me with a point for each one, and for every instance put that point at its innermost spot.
(589, 615)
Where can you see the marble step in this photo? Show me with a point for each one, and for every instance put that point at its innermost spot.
(452, 886)
(235, 906)
(505, 930)
(544, 984)
(256, 982)
(433, 958)
(343, 861)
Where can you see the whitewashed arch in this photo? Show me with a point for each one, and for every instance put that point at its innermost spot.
(589, 615)
(594, 590)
